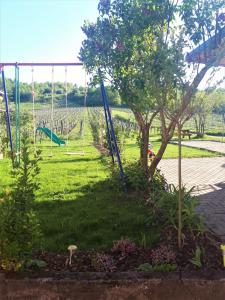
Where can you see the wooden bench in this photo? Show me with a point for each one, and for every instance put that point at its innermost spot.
(186, 132)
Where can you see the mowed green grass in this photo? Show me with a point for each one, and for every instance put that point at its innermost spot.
(77, 204)
(131, 151)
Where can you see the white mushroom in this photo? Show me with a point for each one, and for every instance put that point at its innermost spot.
(72, 249)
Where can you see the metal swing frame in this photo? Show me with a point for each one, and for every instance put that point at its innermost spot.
(112, 141)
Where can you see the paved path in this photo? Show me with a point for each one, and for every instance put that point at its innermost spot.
(195, 171)
(208, 177)
(208, 145)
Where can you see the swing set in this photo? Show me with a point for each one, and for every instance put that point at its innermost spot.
(15, 150)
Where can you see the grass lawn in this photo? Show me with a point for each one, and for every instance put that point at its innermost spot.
(131, 151)
(78, 205)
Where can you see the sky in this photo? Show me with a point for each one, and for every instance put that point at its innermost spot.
(44, 31)
(47, 31)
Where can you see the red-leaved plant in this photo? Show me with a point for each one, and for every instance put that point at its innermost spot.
(124, 247)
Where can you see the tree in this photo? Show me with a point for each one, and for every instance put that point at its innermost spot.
(219, 102)
(202, 106)
(140, 48)
(20, 233)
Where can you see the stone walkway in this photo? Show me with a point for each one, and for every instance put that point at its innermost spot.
(208, 145)
(208, 177)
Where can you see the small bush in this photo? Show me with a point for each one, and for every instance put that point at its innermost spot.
(95, 130)
(166, 207)
(103, 263)
(163, 254)
(136, 178)
(158, 183)
(124, 247)
(19, 227)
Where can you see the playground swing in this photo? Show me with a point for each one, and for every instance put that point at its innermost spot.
(48, 132)
(82, 153)
(107, 113)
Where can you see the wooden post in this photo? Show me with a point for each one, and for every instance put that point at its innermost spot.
(180, 189)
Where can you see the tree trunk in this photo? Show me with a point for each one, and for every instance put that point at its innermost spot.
(165, 140)
(144, 147)
(157, 158)
(180, 198)
(196, 124)
(144, 139)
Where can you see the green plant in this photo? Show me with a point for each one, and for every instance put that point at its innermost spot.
(124, 247)
(162, 255)
(158, 183)
(20, 232)
(166, 206)
(143, 240)
(197, 258)
(35, 263)
(146, 267)
(136, 178)
(103, 263)
(94, 125)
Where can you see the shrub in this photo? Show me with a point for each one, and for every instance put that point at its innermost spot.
(136, 178)
(103, 263)
(166, 207)
(163, 254)
(19, 228)
(124, 247)
(197, 258)
(95, 129)
(158, 183)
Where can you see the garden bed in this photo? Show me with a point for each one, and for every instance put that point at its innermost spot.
(125, 256)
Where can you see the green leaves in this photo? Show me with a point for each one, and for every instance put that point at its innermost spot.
(36, 263)
(20, 232)
(200, 18)
(196, 260)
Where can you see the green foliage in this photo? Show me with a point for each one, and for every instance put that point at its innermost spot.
(136, 178)
(103, 263)
(35, 264)
(95, 126)
(146, 267)
(197, 258)
(158, 183)
(75, 94)
(166, 206)
(201, 18)
(130, 52)
(163, 254)
(143, 240)
(19, 228)
(124, 247)
(141, 47)
(77, 204)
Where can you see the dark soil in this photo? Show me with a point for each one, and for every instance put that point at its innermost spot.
(125, 258)
(166, 252)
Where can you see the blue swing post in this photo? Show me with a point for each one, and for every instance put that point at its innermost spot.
(8, 122)
(109, 137)
(112, 135)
